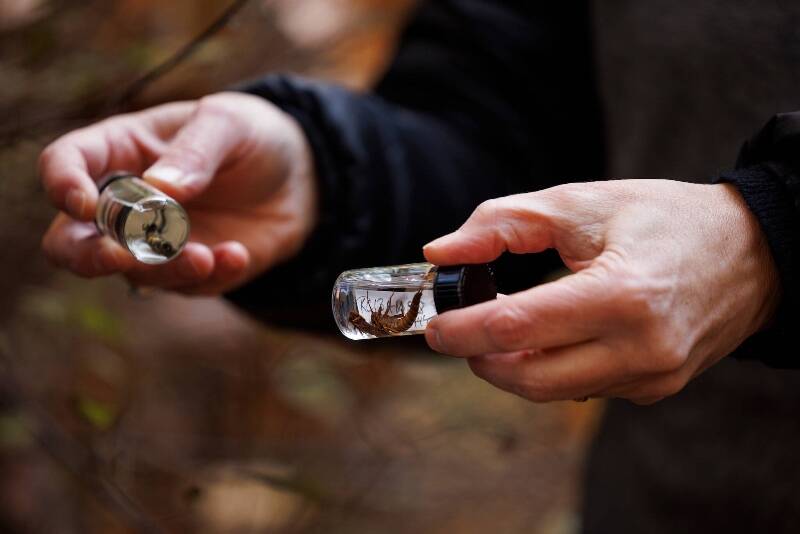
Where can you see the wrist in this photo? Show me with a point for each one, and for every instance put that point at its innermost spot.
(756, 258)
(302, 178)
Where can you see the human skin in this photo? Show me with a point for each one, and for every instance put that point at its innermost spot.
(241, 167)
(669, 277)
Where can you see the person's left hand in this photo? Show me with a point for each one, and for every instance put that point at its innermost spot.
(240, 166)
(669, 277)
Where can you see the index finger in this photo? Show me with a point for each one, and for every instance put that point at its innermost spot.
(70, 166)
(570, 310)
(66, 170)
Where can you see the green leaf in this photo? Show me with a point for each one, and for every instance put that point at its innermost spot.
(99, 322)
(99, 414)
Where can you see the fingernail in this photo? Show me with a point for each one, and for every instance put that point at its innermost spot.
(434, 339)
(427, 245)
(438, 241)
(76, 200)
(167, 174)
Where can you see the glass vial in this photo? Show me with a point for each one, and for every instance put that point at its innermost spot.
(400, 300)
(145, 221)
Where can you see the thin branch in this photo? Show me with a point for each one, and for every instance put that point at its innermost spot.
(136, 87)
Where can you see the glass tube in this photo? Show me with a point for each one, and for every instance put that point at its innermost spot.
(384, 301)
(400, 300)
(145, 221)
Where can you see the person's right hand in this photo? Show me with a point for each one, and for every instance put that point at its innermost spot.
(668, 278)
(241, 167)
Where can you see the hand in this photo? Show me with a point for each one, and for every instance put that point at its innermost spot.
(241, 167)
(669, 277)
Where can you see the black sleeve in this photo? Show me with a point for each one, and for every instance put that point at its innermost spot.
(483, 99)
(768, 177)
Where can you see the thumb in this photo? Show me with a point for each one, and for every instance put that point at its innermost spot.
(519, 224)
(198, 149)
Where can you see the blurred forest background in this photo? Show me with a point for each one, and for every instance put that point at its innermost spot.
(171, 414)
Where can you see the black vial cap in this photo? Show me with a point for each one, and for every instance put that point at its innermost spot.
(112, 177)
(457, 286)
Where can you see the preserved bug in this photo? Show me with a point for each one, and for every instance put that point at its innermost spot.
(384, 324)
(154, 235)
(146, 222)
(394, 324)
(401, 300)
(365, 327)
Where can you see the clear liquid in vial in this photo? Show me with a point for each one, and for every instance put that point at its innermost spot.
(148, 223)
(384, 301)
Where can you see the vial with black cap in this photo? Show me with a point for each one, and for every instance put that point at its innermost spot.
(400, 300)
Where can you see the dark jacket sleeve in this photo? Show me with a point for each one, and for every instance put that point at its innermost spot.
(483, 99)
(768, 177)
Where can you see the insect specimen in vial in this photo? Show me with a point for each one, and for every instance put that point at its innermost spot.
(145, 221)
(401, 299)
(384, 324)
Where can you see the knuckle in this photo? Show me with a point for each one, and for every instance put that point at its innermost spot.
(222, 105)
(486, 210)
(667, 353)
(633, 297)
(580, 201)
(563, 194)
(191, 157)
(508, 328)
(226, 109)
(646, 303)
(213, 104)
(643, 298)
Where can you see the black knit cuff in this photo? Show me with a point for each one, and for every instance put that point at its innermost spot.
(297, 281)
(763, 187)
